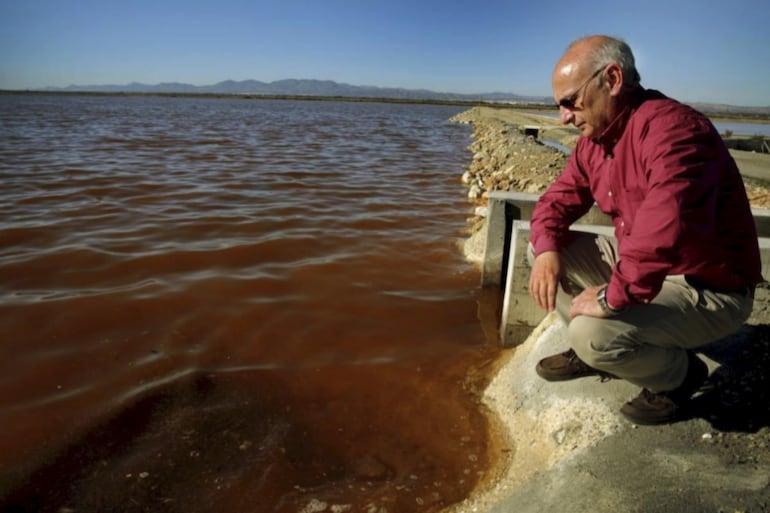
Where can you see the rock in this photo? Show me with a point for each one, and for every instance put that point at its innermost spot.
(499, 153)
(371, 468)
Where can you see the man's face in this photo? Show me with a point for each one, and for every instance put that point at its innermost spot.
(582, 100)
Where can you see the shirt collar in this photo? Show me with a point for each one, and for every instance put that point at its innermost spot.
(611, 135)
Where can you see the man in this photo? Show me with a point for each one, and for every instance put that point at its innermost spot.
(681, 270)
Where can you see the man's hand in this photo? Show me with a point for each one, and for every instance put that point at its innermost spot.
(586, 303)
(544, 280)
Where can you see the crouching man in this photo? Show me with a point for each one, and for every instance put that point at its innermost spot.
(681, 270)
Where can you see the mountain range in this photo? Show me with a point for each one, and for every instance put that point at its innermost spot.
(321, 88)
(301, 87)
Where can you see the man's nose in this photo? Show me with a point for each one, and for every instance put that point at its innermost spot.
(566, 116)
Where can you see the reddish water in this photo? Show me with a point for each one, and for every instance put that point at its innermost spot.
(236, 305)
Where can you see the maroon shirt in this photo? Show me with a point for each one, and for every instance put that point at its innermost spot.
(675, 196)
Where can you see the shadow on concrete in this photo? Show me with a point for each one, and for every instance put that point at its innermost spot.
(736, 396)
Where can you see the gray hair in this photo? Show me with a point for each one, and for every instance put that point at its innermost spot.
(614, 50)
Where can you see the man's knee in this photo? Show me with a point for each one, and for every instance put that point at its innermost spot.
(594, 343)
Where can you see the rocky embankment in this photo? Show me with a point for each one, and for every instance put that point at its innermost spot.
(504, 159)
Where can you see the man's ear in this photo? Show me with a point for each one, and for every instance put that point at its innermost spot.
(613, 78)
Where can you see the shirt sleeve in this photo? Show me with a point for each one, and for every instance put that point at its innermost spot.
(681, 166)
(565, 201)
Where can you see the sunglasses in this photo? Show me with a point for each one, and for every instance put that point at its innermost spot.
(570, 102)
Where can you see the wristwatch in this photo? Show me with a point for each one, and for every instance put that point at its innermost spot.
(601, 298)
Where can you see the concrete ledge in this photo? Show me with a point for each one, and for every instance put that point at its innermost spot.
(503, 209)
(520, 314)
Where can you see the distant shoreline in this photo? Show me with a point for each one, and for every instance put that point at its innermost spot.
(721, 115)
(297, 97)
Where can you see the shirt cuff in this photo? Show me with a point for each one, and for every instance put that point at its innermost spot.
(616, 296)
(543, 244)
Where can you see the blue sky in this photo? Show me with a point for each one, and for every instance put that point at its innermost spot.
(694, 50)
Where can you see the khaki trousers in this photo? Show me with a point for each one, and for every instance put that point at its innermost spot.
(645, 344)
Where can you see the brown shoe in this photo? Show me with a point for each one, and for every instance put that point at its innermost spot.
(565, 366)
(650, 408)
